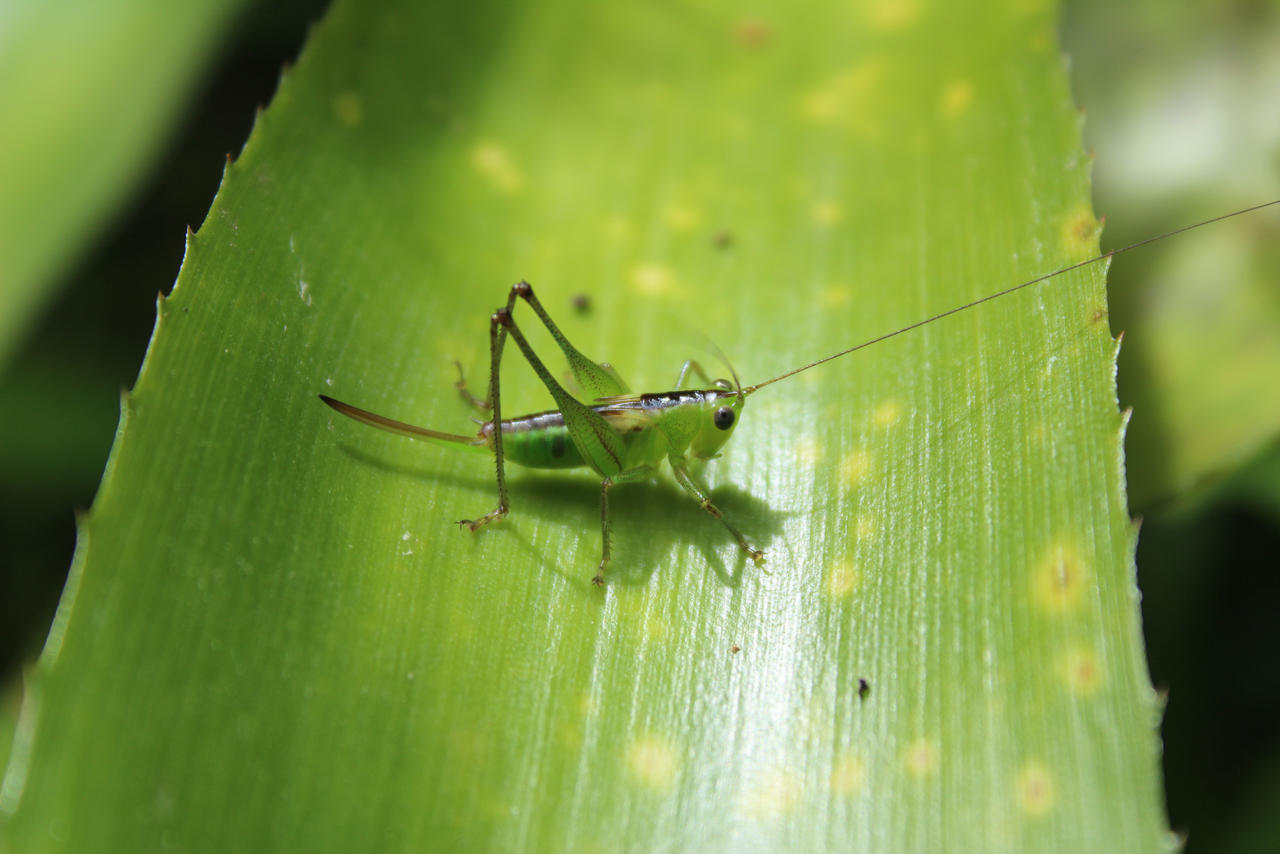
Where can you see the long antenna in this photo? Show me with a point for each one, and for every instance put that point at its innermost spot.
(1105, 255)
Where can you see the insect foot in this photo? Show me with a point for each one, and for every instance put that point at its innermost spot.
(757, 556)
(598, 578)
(471, 399)
(494, 515)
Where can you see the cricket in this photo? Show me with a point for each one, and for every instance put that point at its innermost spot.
(624, 436)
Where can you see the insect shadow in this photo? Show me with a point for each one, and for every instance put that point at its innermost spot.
(651, 536)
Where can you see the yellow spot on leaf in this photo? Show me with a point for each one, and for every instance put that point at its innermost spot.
(834, 296)
(653, 763)
(887, 413)
(855, 465)
(893, 14)
(956, 98)
(494, 163)
(349, 108)
(1082, 671)
(864, 527)
(775, 795)
(1035, 788)
(651, 279)
(655, 628)
(841, 579)
(1079, 233)
(821, 104)
(1060, 579)
(846, 778)
(839, 96)
(827, 213)
(808, 451)
(921, 758)
(682, 218)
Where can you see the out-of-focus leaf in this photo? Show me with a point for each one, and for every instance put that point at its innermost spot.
(1206, 331)
(1179, 136)
(87, 90)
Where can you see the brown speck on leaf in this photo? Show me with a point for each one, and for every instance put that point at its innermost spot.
(735, 648)
(752, 32)
(1062, 573)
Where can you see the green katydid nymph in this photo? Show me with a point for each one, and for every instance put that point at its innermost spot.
(623, 436)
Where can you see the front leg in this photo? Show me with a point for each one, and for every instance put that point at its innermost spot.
(680, 468)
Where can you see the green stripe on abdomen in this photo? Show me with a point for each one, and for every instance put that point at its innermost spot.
(540, 441)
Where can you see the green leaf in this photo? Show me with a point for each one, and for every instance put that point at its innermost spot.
(275, 638)
(87, 90)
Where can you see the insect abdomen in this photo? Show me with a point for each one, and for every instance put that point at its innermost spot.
(538, 441)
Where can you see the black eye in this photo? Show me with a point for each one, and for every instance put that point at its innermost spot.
(723, 418)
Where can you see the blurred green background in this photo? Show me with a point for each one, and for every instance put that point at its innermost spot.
(60, 385)
(1181, 113)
